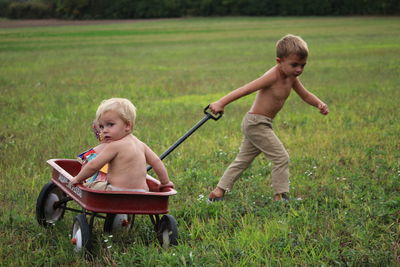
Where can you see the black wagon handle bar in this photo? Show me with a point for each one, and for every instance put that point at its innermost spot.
(207, 116)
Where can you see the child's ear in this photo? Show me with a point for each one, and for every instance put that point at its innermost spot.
(128, 126)
(278, 60)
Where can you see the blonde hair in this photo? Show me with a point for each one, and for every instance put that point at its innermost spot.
(125, 109)
(291, 44)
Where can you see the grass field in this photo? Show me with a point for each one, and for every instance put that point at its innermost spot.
(345, 167)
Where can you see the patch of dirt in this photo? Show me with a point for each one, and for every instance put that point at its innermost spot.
(57, 22)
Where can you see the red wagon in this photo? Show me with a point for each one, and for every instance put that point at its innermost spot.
(119, 207)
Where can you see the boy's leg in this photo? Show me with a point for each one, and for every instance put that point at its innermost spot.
(259, 132)
(247, 153)
(244, 158)
(280, 165)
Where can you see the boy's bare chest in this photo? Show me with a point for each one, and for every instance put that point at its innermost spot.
(280, 91)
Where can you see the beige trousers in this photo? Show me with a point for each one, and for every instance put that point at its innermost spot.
(259, 137)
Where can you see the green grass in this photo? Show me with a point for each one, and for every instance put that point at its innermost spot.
(345, 167)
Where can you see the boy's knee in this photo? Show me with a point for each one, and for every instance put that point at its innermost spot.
(240, 163)
(282, 160)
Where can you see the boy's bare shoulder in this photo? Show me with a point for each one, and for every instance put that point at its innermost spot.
(136, 141)
(272, 72)
(129, 139)
(128, 142)
(271, 75)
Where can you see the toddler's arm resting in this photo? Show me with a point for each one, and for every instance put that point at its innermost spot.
(169, 184)
(108, 153)
(158, 166)
(87, 171)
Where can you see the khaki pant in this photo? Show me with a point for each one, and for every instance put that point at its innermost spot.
(259, 137)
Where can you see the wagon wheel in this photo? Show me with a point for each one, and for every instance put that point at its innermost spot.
(81, 235)
(167, 233)
(49, 209)
(118, 222)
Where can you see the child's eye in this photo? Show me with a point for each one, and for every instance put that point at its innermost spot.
(110, 124)
(101, 127)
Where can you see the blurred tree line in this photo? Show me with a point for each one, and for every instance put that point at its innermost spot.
(131, 9)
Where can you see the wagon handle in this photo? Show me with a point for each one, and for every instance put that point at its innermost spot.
(186, 135)
(211, 115)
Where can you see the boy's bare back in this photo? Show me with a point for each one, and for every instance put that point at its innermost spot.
(127, 168)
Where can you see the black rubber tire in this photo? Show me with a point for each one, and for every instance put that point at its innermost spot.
(46, 214)
(167, 233)
(114, 222)
(82, 234)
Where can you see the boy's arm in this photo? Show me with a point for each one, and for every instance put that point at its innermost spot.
(264, 81)
(309, 97)
(99, 148)
(108, 153)
(158, 166)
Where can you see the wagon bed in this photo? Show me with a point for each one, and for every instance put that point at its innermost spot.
(152, 202)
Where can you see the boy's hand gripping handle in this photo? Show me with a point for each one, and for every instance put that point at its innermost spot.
(210, 115)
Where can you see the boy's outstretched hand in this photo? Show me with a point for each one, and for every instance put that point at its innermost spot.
(323, 108)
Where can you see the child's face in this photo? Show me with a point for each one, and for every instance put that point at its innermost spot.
(112, 127)
(292, 65)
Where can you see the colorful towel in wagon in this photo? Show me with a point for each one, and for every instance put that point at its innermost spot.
(87, 156)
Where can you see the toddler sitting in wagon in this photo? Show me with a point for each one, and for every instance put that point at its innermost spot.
(124, 153)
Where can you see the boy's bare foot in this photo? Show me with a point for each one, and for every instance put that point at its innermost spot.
(281, 196)
(216, 195)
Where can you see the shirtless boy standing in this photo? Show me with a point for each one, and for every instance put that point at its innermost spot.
(273, 88)
(126, 155)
